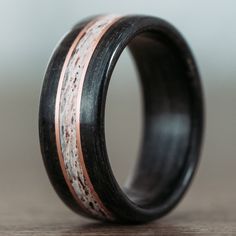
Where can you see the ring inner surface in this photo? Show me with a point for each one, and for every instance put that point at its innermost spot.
(167, 120)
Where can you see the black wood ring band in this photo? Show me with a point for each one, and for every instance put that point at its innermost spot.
(71, 118)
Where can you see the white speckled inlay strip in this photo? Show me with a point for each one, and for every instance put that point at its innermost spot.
(67, 116)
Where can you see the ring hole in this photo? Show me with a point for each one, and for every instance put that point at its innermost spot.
(162, 162)
(123, 118)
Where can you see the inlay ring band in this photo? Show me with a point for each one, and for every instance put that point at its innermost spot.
(71, 118)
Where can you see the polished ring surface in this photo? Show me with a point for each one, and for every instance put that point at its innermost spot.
(71, 118)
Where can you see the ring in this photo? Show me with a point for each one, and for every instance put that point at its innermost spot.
(71, 118)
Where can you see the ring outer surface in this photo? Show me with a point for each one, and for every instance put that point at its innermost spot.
(92, 120)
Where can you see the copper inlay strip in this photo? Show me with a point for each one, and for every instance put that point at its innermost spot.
(74, 170)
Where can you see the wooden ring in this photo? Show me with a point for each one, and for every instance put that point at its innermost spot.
(71, 118)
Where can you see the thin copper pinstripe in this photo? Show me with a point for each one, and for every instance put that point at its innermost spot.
(57, 112)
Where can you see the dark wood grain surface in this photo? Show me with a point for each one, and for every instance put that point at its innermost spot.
(29, 206)
(186, 221)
